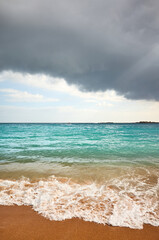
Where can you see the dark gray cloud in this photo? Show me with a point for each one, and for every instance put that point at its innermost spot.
(97, 44)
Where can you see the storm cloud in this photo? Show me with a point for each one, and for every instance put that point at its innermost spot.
(96, 44)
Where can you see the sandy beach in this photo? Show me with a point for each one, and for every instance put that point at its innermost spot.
(22, 223)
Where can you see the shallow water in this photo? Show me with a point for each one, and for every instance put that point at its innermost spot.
(107, 173)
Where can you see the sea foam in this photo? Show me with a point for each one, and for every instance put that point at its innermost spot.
(118, 202)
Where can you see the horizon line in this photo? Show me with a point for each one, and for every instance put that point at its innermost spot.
(141, 122)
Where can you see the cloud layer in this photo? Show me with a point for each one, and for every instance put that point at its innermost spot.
(42, 81)
(97, 45)
(14, 95)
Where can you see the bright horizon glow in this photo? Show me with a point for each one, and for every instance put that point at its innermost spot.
(42, 98)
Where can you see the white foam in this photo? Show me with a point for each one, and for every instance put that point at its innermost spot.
(118, 202)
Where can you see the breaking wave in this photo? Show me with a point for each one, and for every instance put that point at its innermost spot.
(118, 202)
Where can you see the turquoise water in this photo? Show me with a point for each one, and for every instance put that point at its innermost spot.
(46, 149)
(79, 143)
(106, 173)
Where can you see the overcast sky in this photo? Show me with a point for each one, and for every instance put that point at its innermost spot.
(79, 60)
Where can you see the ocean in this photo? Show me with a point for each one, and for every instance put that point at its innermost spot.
(105, 173)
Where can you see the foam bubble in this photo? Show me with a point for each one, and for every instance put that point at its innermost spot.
(118, 202)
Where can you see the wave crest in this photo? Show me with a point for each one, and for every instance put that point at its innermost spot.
(118, 202)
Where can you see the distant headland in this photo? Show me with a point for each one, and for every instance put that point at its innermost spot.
(146, 122)
(140, 122)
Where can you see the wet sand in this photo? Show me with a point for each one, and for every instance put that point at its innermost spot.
(22, 223)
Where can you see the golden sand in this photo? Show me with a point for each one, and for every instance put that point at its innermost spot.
(22, 223)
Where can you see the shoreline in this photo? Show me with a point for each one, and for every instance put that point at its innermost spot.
(23, 223)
